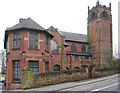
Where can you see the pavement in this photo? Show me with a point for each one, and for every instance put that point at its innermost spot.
(2, 87)
(106, 83)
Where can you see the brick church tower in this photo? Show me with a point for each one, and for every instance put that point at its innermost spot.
(100, 33)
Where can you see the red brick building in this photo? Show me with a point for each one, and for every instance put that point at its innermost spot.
(100, 33)
(43, 50)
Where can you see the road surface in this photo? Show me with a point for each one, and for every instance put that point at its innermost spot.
(111, 84)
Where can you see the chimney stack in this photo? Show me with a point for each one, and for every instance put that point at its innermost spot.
(21, 19)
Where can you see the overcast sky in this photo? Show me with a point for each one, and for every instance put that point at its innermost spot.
(66, 15)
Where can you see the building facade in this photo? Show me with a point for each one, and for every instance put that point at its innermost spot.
(44, 50)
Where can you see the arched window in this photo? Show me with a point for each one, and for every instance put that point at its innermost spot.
(54, 47)
(76, 68)
(84, 48)
(104, 14)
(67, 68)
(56, 67)
(73, 47)
(93, 16)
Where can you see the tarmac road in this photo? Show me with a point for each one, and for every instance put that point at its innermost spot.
(112, 84)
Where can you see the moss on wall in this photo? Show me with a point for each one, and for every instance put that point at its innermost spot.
(32, 80)
(103, 72)
(27, 78)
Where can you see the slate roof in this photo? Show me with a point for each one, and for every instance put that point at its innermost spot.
(27, 23)
(74, 36)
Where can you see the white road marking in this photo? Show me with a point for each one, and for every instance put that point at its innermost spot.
(105, 87)
(85, 85)
(80, 86)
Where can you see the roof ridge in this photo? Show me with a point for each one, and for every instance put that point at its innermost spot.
(74, 36)
(28, 23)
(18, 23)
(72, 32)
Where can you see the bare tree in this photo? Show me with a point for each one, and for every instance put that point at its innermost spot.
(3, 61)
(113, 59)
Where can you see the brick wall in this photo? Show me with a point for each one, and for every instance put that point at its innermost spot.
(104, 72)
(30, 80)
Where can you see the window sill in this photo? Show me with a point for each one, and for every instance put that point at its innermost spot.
(46, 51)
(16, 82)
(87, 60)
(16, 49)
(33, 49)
(55, 53)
